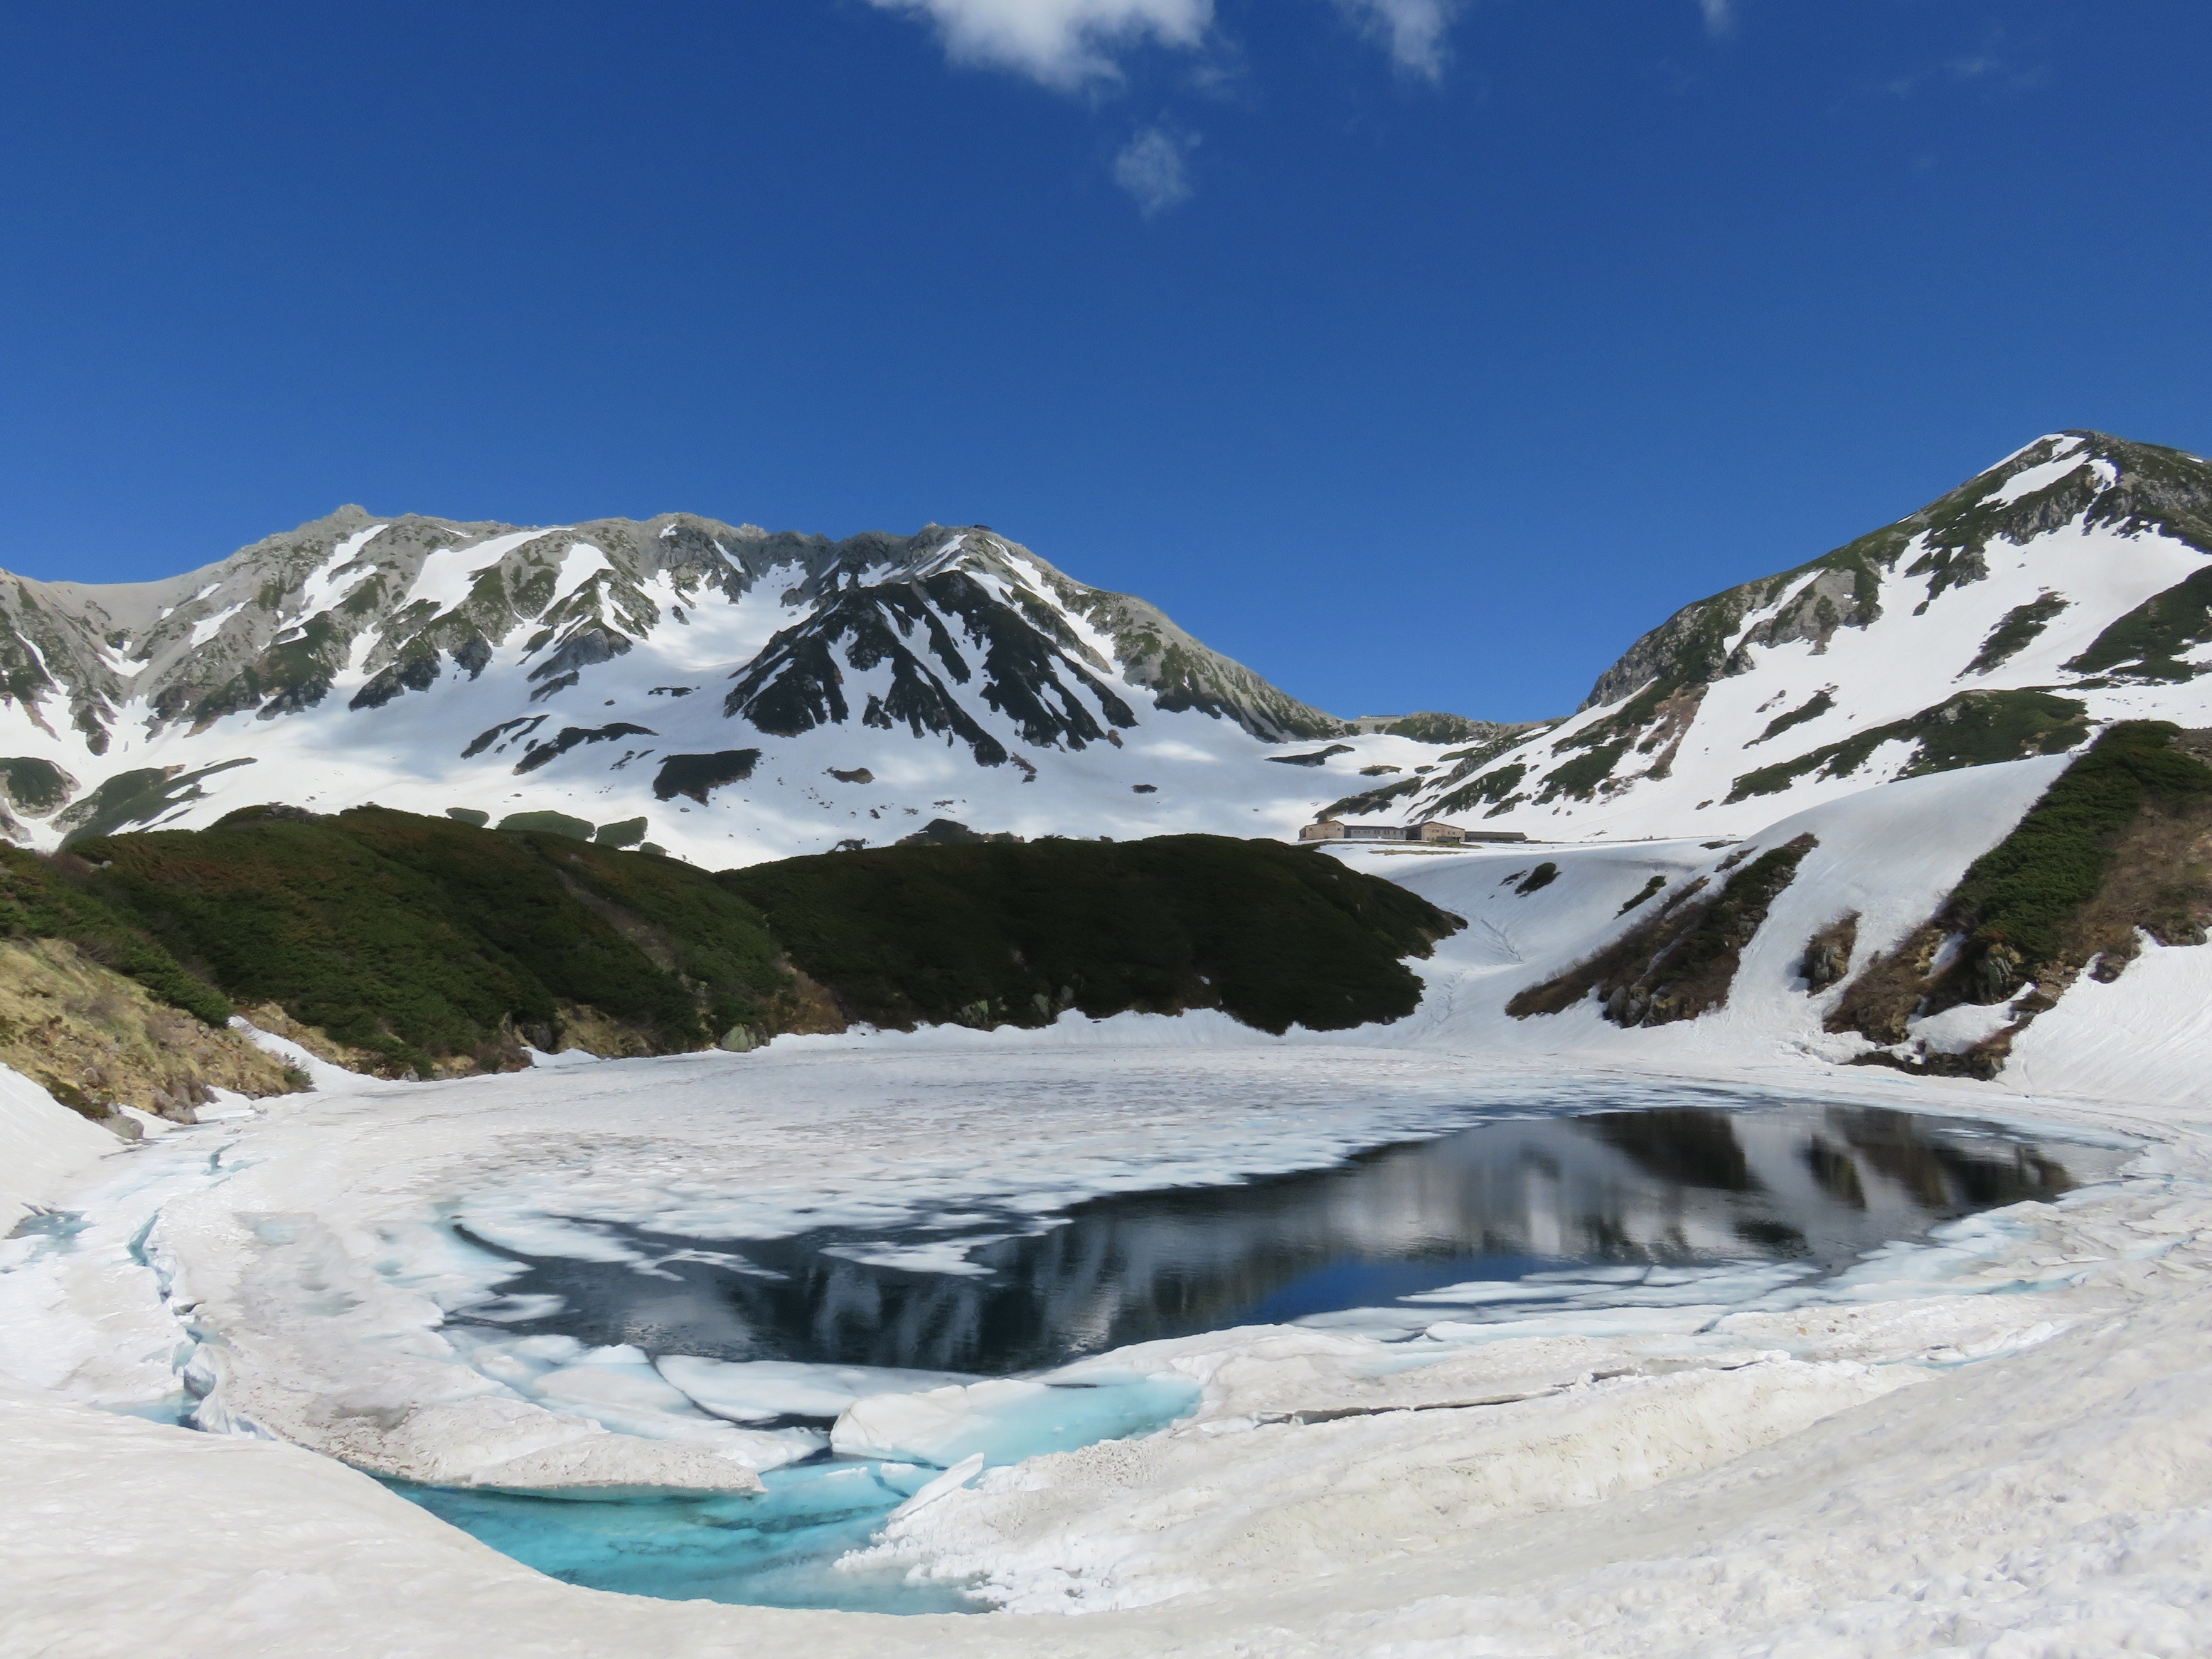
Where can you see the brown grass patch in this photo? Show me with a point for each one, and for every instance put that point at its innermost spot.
(96, 1040)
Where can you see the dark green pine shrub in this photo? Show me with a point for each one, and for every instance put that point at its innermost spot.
(999, 933)
(2023, 891)
(424, 941)
(1975, 728)
(39, 900)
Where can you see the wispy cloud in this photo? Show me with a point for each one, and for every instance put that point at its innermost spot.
(1154, 168)
(2000, 73)
(1995, 70)
(1412, 31)
(1062, 43)
(1074, 45)
(1071, 44)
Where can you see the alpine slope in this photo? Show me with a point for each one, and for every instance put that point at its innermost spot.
(719, 692)
(730, 695)
(2063, 589)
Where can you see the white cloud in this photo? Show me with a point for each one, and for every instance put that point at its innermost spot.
(1413, 30)
(1062, 43)
(1719, 16)
(1152, 169)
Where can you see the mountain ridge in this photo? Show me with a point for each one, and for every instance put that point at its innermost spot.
(952, 634)
(2046, 597)
(731, 694)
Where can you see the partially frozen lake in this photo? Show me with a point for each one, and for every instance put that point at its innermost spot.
(1518, 1222)
(1511, 1210)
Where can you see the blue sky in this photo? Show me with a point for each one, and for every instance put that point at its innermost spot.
(1419, 354)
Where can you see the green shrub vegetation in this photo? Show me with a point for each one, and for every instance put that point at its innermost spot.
(1724, 929)
(1985, 728)
(2108, 854)
(1651, 889)
(1372, 800)
(1680, 962)
(2021, 893)
(139, 796)
(44, 898)
(1975, 728)
(36, 786)
(1580, 777)
(1491, 787)
(700, 775)
(1811, 709)
(549, 824)
(437, 947)
(1001, 933)
(2015, 631)
(1431, 728)
(2147, 643)
(425, 941)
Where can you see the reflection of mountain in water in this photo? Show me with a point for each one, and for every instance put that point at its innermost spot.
(1508, 1197)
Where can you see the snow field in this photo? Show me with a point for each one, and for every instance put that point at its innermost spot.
(48, 1146)
(1995, 1443)
(1671, 1489)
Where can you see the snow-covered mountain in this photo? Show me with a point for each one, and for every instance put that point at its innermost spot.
(732, 695)
(2067, 587)
(1932, 907)
(726, 693)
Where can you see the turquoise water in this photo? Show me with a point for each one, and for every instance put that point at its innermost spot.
(1601, 1198)
(780, 1549)
(777, 1550)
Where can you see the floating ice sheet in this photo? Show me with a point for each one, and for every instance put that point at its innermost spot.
(758, 1391)
(1007, 1419)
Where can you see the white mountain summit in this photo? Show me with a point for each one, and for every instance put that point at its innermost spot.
(2066, 587)
(732, 695)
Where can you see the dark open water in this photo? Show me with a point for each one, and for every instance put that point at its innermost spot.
(1616, 1201)
(1510, 1196)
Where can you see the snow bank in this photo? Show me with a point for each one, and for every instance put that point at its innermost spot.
(1999, 1441)
(1888, 856)
(1990, 1473)
(47, 1147)
(2145, 1036)
(1134, 1523)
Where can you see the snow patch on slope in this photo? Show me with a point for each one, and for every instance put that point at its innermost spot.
(47, 1147)
(207, 627)
(2042, 475)
(326, 585)
(448, 573)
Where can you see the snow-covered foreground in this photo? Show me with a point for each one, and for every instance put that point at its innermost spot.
(1992, 1443)
(2002, 1432)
